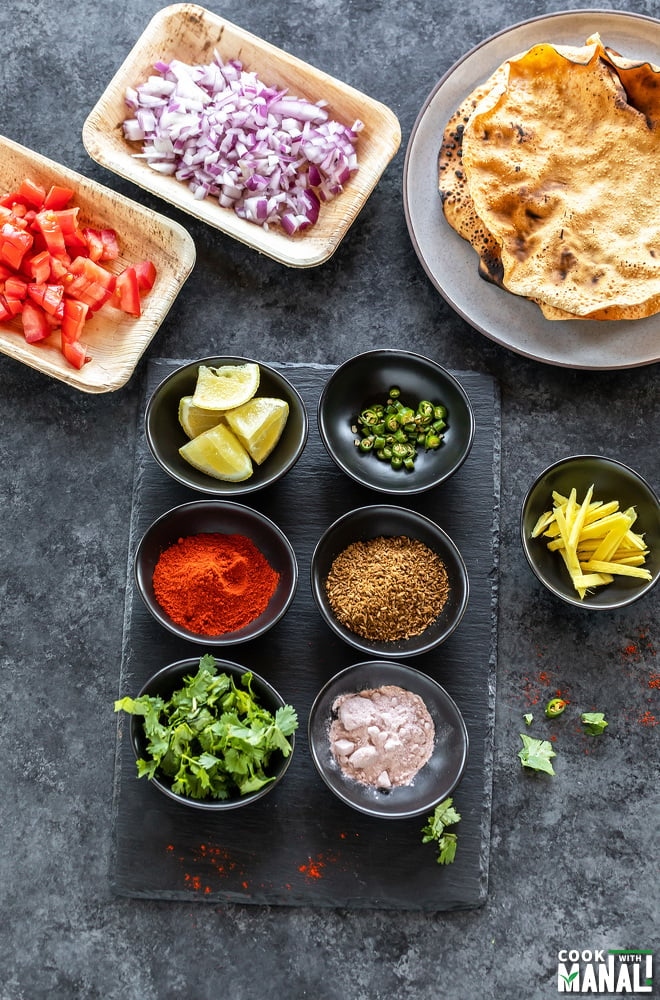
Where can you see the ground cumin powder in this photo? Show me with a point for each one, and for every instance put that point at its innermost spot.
(387, 588)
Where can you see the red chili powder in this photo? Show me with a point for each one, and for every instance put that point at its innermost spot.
(646, 719)
(213, 583)
(315, 866)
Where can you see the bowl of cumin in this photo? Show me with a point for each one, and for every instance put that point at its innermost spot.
(389, 581)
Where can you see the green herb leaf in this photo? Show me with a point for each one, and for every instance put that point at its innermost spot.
(536, 754)
(212, 737)
(443, 816)
(594, 722)
(447, 845)
(529, 718)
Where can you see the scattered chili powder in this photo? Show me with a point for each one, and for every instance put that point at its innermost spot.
(387, 588)
(214, 583)
(314, 869)
(654, 681)
(648, 720)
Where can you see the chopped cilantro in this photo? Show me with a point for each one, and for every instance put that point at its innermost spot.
(594, 722)
(443, 816)
(529, 718)
(211, 737)
(536, 754)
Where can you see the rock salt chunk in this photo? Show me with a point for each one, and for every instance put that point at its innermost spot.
(355, 712)
(363, 756)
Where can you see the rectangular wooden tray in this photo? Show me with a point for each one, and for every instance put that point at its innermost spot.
(300, 845)
(115, 340)
(193, 34)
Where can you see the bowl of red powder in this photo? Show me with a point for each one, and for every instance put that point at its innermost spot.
(387, 739)
(216, 572)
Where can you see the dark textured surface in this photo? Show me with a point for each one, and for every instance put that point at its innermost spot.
(329, 855)
(573, 860)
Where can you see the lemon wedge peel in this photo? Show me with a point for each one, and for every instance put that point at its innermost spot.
(218, 453)
(225, 387)
(194, 420)
(258, 425)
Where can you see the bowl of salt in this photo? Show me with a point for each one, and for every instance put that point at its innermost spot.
(387, 739)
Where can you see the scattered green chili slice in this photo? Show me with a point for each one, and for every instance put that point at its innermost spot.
(555, 707)
(394, 431)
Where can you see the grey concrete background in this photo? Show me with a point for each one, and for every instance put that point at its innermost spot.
(574, 859)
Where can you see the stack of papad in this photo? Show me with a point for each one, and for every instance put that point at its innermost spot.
(549, 169)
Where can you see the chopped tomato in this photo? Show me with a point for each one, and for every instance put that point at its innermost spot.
(93, 272)
(14, 244)
(49, 227)
(58, 197)
(5, 311)
(35, 323)
(49, 297)
(110, 244)
(52, 268)
(14, 304)
(74, 352)
(75, 314)
(38, 267)
(127, 292)
(146, 275)
(76, 242)
(58, 268)
(68, 220)
(94, 243)
(15, 287)
(31, 193)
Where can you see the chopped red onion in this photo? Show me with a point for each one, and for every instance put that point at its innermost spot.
(271, 157)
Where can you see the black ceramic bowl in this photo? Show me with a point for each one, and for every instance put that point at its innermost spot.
(165, 435)
(367, 378)
(164, 683)
(437, 778)
(611, 481)
(390, 521)
(223, 517)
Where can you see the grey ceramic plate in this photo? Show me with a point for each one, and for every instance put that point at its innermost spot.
(451, 263)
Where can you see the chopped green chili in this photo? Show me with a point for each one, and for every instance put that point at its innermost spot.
(393, 431)
(555, 707)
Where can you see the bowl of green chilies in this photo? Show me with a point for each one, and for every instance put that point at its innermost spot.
(395, 421)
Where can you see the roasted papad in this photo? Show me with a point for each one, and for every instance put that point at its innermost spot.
(548, 169)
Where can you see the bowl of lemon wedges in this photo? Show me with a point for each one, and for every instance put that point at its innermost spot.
(226, 426)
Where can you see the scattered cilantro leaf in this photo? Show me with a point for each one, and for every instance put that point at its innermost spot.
(536, 754)
(443, 816)
(212, 738)
(529, 718)
(594, 722)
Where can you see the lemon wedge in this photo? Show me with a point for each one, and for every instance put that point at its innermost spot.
(258, 425)
(195, 420)
(218, 453)
(225, 387)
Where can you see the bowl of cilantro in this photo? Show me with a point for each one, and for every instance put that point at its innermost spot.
(210, 733)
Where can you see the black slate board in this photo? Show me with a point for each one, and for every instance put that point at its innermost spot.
(300, 845)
